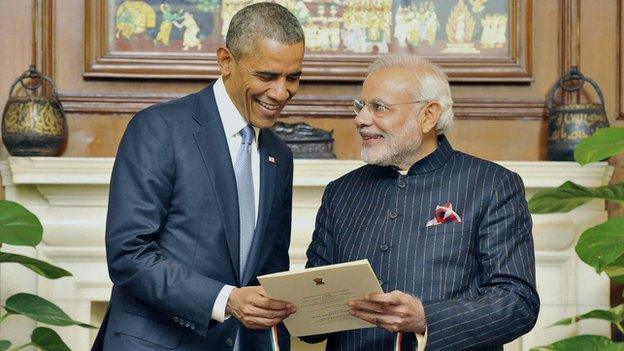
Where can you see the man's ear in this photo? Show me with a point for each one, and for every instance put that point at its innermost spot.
(430, 115)
(224, 60)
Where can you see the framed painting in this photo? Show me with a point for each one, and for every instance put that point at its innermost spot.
(474, 40)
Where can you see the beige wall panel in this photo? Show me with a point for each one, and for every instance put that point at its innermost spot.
(501, 140)
(94, 136)
(599, 50)
(15, 42)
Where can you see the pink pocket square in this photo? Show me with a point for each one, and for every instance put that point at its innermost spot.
(443, 214)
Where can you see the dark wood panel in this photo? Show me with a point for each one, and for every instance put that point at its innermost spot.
(301, 106)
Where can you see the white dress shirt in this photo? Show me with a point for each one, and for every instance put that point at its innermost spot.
(233, 123)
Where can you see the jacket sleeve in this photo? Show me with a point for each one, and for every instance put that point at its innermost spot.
(507, 303)
(141, 188)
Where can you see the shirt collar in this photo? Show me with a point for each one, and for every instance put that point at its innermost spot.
(231, 119)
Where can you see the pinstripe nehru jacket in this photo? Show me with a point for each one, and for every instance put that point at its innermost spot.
(476, 278)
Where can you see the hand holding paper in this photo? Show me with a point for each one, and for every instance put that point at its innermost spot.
(255, 310)
(395, 311)
(321, 294)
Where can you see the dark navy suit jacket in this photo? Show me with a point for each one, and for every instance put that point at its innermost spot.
(476, 277)
(172, 233)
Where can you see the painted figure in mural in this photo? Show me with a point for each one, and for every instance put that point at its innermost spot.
(422, 22)
(414, 35)
(191, 32)
(487, 32)
(168, 17)
(431, 23)
(494, 34)
(501, 31)
(134, 17)
(403, 24)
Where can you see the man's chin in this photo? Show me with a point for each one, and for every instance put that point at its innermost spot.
(264, 121)
(373, 159)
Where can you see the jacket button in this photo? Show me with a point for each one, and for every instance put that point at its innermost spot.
(176, 319)
(384, 247)
(402, 184)
(393, 214)
(229, 342)
(193, 326)
(187, 324)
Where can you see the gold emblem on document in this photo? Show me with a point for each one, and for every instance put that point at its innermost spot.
(319, 281)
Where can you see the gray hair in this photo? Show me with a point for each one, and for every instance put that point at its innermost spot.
(432, 85)
(268, 20)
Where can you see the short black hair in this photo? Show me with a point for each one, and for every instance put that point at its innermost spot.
(265, 19)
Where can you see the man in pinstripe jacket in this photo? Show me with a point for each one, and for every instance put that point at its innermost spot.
(448, 234)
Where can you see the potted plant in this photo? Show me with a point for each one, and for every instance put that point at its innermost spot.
(601, 246)
(20, 227)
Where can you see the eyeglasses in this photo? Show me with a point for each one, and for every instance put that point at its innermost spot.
(377, 107)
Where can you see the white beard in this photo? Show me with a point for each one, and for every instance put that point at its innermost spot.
(398, 149)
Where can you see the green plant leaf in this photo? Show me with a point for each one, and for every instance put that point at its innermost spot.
(570, 195)
(603, 245)
(40, 267)
(40, 309)
(604, 143)
(577, 343)
(616, 346)
(48, 340)
(613, 315)
(616, 271)
(4, 345)
(18, 226)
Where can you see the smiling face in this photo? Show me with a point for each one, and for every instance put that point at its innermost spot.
(392, 128)
(263, 80)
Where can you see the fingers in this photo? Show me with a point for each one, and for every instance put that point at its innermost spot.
(393, 298)
(250, 310)
(260, 299)
(256, 311)
(366, 306)
(389, 322)
(255, 322)
(395, 311)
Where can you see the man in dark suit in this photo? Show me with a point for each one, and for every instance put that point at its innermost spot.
(448, 234)
(200, 203)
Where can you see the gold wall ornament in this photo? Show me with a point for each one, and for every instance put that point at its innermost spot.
(460, 30)
(33, 125)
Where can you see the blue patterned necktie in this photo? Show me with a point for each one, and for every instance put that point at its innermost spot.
(246, 203)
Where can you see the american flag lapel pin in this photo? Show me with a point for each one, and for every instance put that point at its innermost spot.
(271, 159)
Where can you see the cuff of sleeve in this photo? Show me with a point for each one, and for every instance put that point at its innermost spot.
(218, 309)
(422, 341)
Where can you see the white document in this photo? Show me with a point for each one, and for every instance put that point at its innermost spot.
(321, 294)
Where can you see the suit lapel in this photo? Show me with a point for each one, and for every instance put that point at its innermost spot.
(267, 186)
(212, 144)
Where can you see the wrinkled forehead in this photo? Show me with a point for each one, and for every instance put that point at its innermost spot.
(390, 84)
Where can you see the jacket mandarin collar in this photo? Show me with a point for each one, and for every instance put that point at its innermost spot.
(434, 160)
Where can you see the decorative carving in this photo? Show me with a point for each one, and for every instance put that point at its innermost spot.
(306, 141)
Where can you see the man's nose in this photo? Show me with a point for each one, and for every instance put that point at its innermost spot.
(280, 91)
(363, 118)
